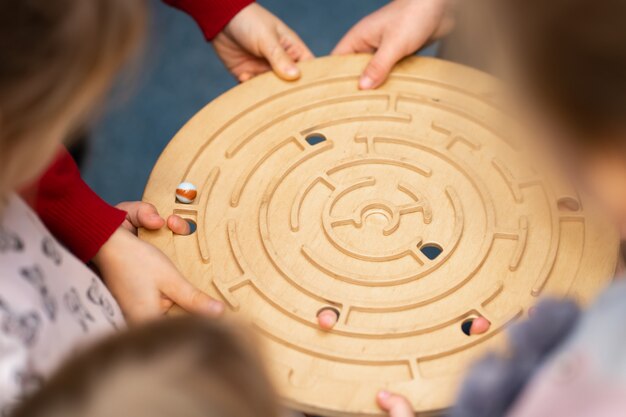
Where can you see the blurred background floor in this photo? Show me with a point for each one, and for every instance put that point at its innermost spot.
(179, 74)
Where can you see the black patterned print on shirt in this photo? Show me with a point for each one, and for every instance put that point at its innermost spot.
(9, 241)
(24, 327)
(29, 381)
(94, 294)
(75, 306)
(50, 249)
(35, 277)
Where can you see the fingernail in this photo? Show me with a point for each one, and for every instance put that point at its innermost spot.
(383, 395)
(292, 71)
(327, 318)
(480, 325)
(216, 308)
(365, 83)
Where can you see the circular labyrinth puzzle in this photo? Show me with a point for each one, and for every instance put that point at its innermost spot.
(405, 209)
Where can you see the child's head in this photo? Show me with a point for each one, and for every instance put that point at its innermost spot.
(570, 55)
(180, 367)
(56, 60)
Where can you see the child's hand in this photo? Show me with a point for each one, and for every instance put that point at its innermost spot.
(255, 41)
(397, 30)
(395, 405)
(145, 215)
(142, 279)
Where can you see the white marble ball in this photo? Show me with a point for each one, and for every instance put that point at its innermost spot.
(186, 192)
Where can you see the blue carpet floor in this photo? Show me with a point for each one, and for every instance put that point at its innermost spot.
(180, 74)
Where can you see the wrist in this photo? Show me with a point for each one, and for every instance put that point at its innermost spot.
(240, 18)
(111, 249)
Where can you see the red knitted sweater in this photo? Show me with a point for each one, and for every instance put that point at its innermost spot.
(210, 15)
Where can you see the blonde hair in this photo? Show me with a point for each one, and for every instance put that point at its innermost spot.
(178, 367)
(57, 58)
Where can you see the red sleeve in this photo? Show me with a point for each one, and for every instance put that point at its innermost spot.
(210, 15)
(72, 211)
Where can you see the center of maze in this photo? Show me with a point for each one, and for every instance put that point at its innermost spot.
(376, 220)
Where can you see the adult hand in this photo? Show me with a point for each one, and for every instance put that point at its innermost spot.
(396, 30)
(255, 41)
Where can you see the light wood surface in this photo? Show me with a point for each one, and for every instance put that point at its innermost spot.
(286, 228)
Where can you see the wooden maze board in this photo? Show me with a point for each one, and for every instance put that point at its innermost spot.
(403, 208)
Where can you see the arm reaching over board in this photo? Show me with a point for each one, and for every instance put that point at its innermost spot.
(397, 30)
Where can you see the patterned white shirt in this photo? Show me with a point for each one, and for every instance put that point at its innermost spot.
(50, 304)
